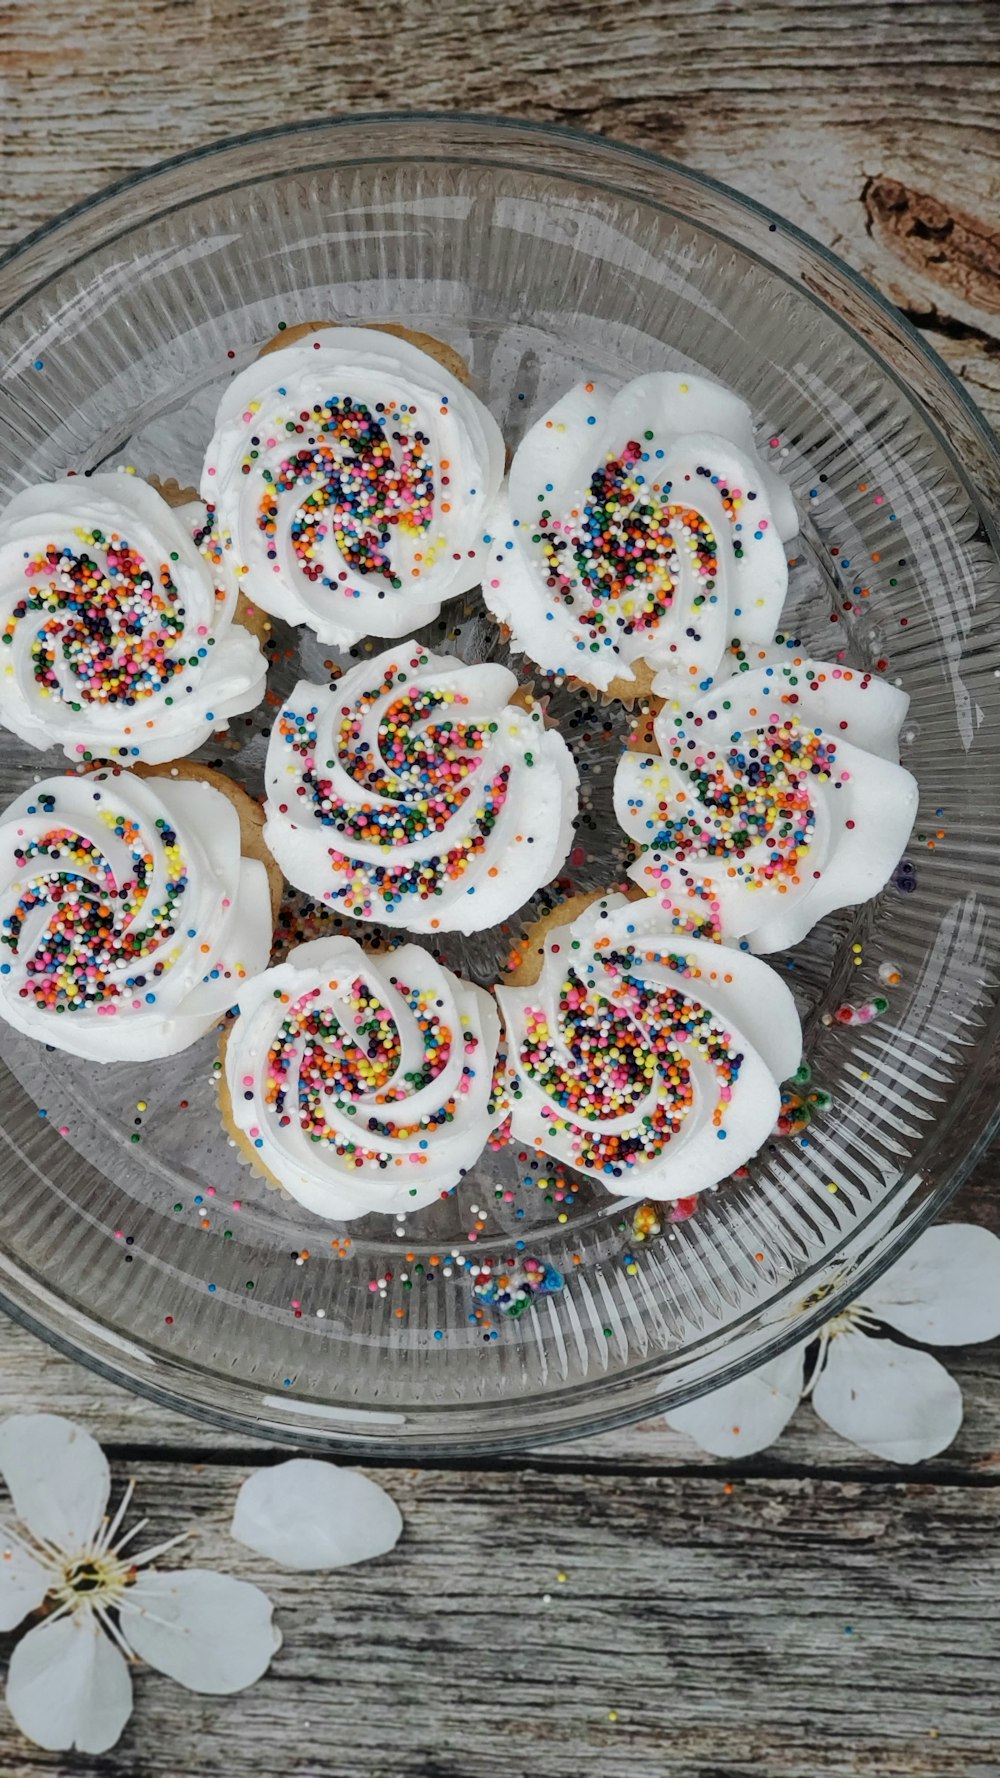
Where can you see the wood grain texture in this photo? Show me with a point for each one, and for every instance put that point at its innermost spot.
(748, 1632)
(33, 1378)
(825, 1619)
(871, 126)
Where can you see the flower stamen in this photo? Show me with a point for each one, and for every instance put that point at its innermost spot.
(158, 1549)
(90, 1579)
(111, 1526)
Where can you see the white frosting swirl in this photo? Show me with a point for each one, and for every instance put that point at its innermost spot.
(129, 921)
(364, 1083)
(115, 640)
(772, 799)
(352, 475)
(639, 526)
(644, 1058)
(414, 793)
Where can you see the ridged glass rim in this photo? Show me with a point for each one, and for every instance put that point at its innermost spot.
(552, 1416)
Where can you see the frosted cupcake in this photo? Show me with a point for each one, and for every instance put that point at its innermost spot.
(352, 473)
(649, 1061)
(117, 638)
(361, 1083)
(638, 534)
(771, 800)
(132, 910)
(417, 794)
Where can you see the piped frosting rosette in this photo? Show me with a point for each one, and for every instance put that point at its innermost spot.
(639, 526)
(414, 793)
(116, 638)
(362, 1083)
(644, 1058)
(129, 921)
(773, 799)
(352, 475)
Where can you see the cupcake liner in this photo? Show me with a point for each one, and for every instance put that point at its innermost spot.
(526, 958)
(170, 490)
(249, 617)
(637, 690)
(446, 356)
(248, 809)
(245, 1150)
(630, 692)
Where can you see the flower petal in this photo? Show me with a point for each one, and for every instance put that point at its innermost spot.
(889, 1399)
(208, 1631)
(23, 1583)
(69, 1686)
(945, 1289)
(58, 1478)
(308, 1515)
(746, 1416)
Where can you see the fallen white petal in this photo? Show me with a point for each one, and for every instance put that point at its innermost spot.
(308, 1515)
(746, 1416)
(58, 1478)
(888, 1399)
(69, 1686)
(23, 1583)
(208, 1631)
(945, 1289)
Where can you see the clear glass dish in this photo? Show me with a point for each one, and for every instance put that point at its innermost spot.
(540, 255)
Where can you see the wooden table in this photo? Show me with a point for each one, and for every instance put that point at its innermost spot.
(623, 1608)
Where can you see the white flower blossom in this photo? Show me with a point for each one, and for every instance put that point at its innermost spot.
(106, 1606)
(308, 1515)
(892, 1400)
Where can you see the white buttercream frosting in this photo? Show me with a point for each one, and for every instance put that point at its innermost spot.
(365, 1083)
(647, 1059)
(771, 799)
(639, 526)
(414, 793)
(129, 921)
(116, 636)
(351, 475)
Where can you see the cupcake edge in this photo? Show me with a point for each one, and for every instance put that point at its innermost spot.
(249, 617)
(445, 355)
(248, 809)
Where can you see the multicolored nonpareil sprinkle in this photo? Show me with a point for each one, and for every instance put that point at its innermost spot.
(363, 1083)
(129, 918)
(117, 637)
(362, 474)
(512, 1286)
(106, 617)
(649, 1062)
(750, 802)
(99, 929)
(415, 792)
(419, 774)
(332, 1061)
(352, 472)
(615, 561)
(623, 1056)
(770, 799)
(639, 527)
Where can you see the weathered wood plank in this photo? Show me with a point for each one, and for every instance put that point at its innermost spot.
(789, 1629)
(607, 1627)
(873, 127)
(34, 1378)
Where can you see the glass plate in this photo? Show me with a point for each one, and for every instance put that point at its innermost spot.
(130, 1233)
